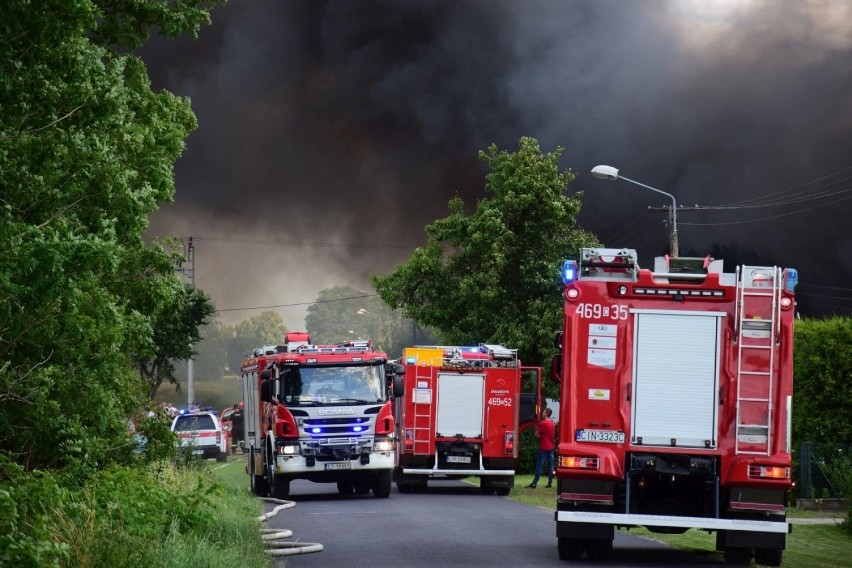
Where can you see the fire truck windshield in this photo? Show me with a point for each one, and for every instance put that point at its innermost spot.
(354, 384)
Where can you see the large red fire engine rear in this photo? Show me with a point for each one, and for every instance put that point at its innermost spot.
(461, 414)
(321, 413)
(676, 391)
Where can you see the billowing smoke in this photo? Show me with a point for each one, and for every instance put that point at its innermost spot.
(331, 133)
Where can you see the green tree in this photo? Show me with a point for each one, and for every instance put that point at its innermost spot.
(334, 316)
(341, 313)
(87, 152)
(266, 328)
(493, 276)
(823, 381)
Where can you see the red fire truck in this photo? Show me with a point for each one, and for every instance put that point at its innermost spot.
(461, 414)
(676, 389)
(321, 413)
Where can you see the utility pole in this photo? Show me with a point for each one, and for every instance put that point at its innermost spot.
(672, 224)
(190, 274)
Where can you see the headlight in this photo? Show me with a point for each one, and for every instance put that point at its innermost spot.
(383, 445)
(289, 449)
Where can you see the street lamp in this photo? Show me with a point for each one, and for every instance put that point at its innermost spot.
(363, 312)
(608, 172)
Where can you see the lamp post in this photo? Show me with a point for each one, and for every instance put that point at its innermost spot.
(608, 172)
(363, 312)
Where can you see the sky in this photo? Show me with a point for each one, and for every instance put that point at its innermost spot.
(332, 132)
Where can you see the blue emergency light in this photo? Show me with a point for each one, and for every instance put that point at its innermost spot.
(569, 272)
(792, 280)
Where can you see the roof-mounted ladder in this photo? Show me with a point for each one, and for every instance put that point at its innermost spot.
(423, 394)
(756, 318)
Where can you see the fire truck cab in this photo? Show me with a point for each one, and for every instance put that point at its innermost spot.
(461, 414)
(321, 413)
(676, 390)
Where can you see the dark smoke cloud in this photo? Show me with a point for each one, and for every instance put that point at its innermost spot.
(338, 130)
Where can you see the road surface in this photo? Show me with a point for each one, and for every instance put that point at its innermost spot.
(450, 524)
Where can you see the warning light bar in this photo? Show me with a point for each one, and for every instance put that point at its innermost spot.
(678, 292)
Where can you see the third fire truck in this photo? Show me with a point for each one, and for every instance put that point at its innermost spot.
(321, 413)
(461, 414)
(676, 389)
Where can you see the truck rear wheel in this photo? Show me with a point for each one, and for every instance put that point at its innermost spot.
(598, 549)
(737, 556)
(346, 487)
(570, 548)
(768, 556)
(382, 483)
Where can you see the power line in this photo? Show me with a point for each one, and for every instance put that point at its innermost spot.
(789, 189)
(305, 243)
(296, 304)
(770, 217)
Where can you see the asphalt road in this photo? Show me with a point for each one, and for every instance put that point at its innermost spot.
(450, 524)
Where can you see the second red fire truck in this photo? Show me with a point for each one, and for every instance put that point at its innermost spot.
(461, 413)
(676, 390)
(321, 413)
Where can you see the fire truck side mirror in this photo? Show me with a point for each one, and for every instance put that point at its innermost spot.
(398, 386)
(556, 368)
(557, 340)
(267, 386)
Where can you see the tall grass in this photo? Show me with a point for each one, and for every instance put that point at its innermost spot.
(163, 516)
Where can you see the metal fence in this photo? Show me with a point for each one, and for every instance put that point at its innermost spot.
(825, 471)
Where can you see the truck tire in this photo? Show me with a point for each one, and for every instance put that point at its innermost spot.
(363, 485)
(598, 548)
(258, 482)
(346, 487)
(768, 556)
(737, 556)
(382, 484)
(503, 491)
(570, 548)
(269, 462)
(222, 457)
(281, 489)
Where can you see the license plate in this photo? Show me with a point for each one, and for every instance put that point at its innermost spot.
(605, 436)
(458, 459)
(197, 452)
(344, 465)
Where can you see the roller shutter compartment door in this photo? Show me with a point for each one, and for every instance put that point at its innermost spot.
(676, 379)
(460, 400)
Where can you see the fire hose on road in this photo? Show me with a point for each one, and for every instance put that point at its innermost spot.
(271, 536)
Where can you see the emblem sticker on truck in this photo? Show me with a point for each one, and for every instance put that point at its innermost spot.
(605, 436)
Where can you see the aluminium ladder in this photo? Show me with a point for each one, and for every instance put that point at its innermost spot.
(758, 316)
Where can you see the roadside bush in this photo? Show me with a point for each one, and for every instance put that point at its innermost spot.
(24, 536)
(150, 515)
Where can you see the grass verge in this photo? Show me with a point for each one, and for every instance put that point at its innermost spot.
(808, 546)
(163, 515)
